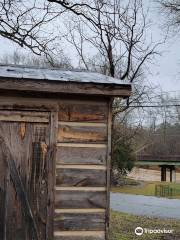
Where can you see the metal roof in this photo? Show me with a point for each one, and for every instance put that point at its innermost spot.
(54, 74)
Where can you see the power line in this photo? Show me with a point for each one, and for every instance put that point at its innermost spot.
(154, 106)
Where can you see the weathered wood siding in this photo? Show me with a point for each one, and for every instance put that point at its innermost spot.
(25, 185)
(81, 133)
(81, 171)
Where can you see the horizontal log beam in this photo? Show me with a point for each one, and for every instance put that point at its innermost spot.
(81, 155)
(16, 116)
(157, 163)
(81, 134)
(80, 199)
(36, 85)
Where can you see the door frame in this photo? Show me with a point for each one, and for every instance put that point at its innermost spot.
(52, 109)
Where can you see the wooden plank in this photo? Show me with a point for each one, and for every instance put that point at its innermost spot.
(78, 210)
(82, 145)
(27, 194)
(108, 172)
(81, 154)
(51, 171)
(25, 116)
(72, 166)
(82, 134)
(79, 221)
(80, 199)
(82, 124)
(64, 87)
(86, 112)
(19, 188)
(80, 177)
(19, 103)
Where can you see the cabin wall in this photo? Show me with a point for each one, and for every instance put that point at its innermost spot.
(82, 166)
(81, 197)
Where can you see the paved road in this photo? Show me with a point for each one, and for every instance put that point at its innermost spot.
(145, 205)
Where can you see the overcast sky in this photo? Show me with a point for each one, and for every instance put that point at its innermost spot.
(166, 68)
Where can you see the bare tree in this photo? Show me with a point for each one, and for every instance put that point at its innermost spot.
(171, 9)
(25, 23)
(62, 61)
(116, 29)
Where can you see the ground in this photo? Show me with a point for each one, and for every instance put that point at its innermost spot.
(144, 188)
(122, 227)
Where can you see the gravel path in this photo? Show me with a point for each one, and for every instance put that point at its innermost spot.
(145, 205)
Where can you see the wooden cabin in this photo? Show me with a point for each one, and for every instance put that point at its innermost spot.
(55, 153)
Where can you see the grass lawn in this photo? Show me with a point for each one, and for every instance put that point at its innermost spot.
(144, 188)
(122, 227)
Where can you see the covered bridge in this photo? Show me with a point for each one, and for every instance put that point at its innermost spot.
(162, 152)
(55, 153)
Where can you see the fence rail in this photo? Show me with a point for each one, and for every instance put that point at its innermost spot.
(166, 191)
(148, 157)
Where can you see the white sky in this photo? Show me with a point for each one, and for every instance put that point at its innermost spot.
(164, 71)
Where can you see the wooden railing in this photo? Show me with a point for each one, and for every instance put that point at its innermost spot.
(166, 191)
(149, 157)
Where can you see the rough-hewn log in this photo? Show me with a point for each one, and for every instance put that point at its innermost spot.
(64, 87)
(79, 221)
(82, 134)
(25, 116)
(79, 112)
(79, 199)
(81, 155)
(80, 177)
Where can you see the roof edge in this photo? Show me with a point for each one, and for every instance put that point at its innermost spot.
(70, 87)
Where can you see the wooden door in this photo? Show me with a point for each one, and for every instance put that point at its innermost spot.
(25, 168)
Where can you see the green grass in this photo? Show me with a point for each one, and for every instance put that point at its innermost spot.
(122, 227)
(145, 188)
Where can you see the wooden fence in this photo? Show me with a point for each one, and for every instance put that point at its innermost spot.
(166, 191)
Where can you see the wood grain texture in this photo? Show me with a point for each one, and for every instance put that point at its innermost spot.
(81, 155)
(25, 116)
(26, 194)
(80, 177)
(83, 112)
(79, 199)
(82, 134)
(79, 221)
(109, 149)
(51, 165)
(64, 87)
(28, 104)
